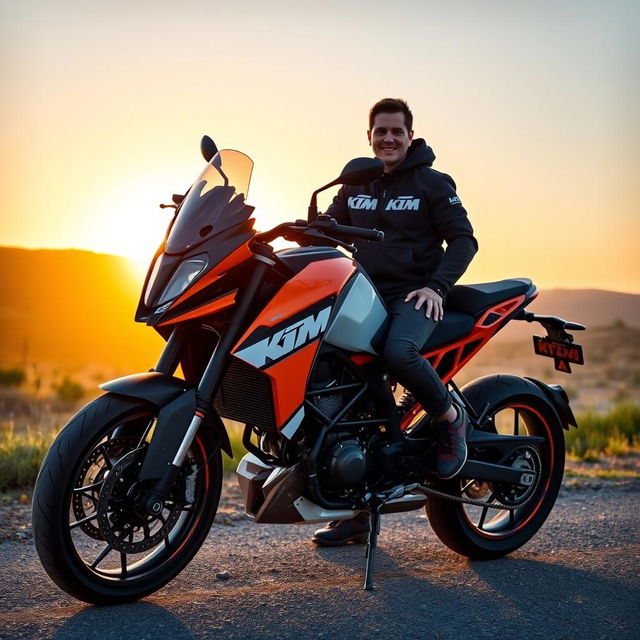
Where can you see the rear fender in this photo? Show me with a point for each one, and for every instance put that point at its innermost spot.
(560, 399)
(491, 390)
(176, 400)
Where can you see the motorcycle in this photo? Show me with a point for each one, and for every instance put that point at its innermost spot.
(287, 342)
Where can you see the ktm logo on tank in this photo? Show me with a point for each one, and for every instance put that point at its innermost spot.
(403, 203)
(286, 340)
(362, 202)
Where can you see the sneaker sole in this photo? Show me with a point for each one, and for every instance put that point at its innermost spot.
(361, 538)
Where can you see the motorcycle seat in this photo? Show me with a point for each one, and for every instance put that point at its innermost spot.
(465, 302)
(452, 327)
(473, 299)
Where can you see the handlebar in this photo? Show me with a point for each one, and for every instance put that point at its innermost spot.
(323, 226)
(358, 232)
(331, 227)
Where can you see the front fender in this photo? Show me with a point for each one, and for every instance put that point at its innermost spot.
(157, 388)
(176, 400)
(494, 389)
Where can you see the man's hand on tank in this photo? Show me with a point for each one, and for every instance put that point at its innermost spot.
(430, 299)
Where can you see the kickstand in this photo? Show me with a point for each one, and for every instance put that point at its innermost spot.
(374, 530)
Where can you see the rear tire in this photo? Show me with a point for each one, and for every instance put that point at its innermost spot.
(479, 533)
(92, 540)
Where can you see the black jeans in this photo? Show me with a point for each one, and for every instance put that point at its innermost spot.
(409, 331)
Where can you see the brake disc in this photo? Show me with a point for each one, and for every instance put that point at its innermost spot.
(91, 477)
(123, 523)
(477, 489)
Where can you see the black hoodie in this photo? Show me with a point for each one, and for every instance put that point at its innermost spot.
(418, 209)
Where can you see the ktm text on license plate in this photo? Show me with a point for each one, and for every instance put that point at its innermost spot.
(562, 352)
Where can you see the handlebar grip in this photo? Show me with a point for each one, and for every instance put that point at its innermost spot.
(358, 232)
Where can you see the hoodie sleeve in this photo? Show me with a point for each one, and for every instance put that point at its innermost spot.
(453, 226)
(339, 208)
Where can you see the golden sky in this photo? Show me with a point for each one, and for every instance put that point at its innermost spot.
(531, 107)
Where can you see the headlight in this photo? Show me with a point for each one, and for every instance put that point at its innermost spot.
(184, 276)
(152, 280)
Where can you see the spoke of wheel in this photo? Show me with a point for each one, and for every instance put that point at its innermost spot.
(466, 486)
(102, 556)
(123, 565)
(89, 487)
(89, 496)
(512, 517)
(124, 534)
(483, 515)
(105, 456)
(516, 422)
(77, 523)
(145, 433)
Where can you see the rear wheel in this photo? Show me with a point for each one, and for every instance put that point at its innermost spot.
(489, 532)
(93, 538)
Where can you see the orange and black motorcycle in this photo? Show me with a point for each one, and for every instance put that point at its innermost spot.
(287, 342)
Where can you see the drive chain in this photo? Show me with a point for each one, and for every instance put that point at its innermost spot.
(478, 503)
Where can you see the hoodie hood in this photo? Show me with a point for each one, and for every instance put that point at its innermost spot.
(419, 154)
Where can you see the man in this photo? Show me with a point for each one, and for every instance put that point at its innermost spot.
(417, 208)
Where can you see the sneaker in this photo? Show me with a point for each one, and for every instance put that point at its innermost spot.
(452, 447)
(341, 532)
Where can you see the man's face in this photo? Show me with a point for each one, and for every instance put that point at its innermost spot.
(390, 139)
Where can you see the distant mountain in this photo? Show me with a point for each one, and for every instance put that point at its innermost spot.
(594, 307)
(76, 308)
(71, 308)
(591, 307)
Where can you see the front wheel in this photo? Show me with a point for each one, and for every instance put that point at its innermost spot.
(93, 538)
(482, 532)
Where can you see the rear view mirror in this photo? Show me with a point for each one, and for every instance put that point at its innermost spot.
(361, 171)
(208, 148)
(356, 172)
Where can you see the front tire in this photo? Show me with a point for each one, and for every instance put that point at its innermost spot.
(92, 539)
(483, 533)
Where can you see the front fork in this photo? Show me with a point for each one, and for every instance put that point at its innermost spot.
(171, 460)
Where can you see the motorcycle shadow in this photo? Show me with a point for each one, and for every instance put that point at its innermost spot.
(549, 592)
(135, 620)
(352, 557)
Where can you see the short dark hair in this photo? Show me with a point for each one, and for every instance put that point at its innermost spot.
(391, 105)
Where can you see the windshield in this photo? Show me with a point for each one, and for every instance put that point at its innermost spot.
(216, 201)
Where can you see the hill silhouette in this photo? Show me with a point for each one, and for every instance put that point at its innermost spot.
(75, 308)
(592, 307)
(71, 308)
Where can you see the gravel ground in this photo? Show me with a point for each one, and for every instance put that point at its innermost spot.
(578, 577)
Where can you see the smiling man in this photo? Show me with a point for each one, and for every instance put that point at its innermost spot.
(418, 209)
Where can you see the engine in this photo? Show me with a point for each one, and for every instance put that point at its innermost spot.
(346, 462)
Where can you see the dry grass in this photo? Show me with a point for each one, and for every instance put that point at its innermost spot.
(615, 433)
(612, 434)
(21, 455)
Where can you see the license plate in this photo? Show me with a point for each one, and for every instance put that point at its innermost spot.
(562, 352)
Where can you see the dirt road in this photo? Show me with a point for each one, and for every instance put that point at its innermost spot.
(578, 578)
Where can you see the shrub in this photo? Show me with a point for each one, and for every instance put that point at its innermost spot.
(613, 433)
(69, 391)
(21, 456)
(12, 377)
